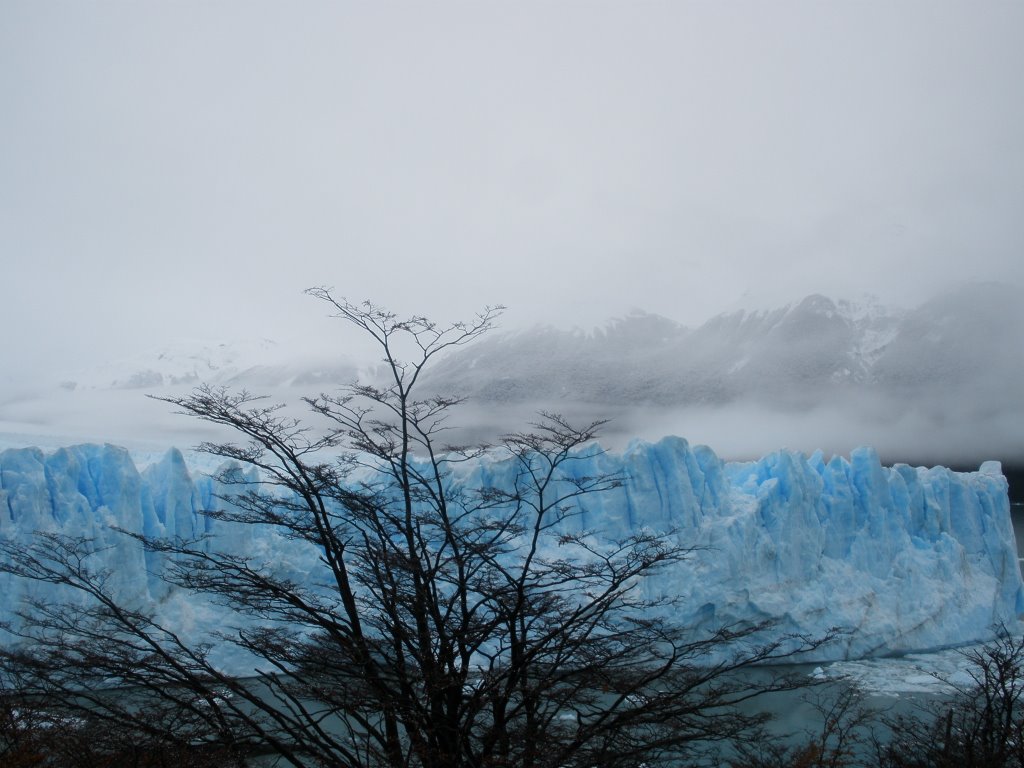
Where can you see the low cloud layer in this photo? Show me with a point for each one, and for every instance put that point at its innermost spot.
(938, 383)
(187, 168)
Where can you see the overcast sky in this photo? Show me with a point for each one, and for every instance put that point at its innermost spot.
(184, 168)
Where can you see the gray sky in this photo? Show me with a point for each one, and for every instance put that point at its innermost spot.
(186, 168)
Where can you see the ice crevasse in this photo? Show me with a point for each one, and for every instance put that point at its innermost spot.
(906, 558)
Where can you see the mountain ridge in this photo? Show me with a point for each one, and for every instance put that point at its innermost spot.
(936, 383)
(781, 355)
(794, 356)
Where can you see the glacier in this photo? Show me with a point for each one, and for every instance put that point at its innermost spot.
(905, 558)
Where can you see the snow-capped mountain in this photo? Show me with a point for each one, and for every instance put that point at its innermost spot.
(799, 355)
(796, 355)
(936, 383)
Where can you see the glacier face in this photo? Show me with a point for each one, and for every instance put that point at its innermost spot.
(905, 558)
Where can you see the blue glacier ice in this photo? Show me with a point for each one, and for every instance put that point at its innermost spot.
(906, 558)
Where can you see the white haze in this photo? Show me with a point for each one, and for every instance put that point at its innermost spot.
(734, 431)
(181, 169)
(942, 386)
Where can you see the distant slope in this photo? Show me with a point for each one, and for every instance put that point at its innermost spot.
(791, 355)
(937, 383)
(968, 344)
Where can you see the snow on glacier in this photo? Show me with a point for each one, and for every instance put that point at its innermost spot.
(907, 558)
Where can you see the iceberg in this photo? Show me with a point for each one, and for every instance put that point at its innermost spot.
(906, 558)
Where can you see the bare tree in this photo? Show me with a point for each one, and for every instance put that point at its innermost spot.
(980, 726)
(450, 623)
(844, 736)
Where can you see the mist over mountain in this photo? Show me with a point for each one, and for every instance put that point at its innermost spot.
(965, 344)
(794, 355)
(937, 383)
(262, 363)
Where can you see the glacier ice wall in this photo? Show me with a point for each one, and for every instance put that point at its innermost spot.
(907, 558)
